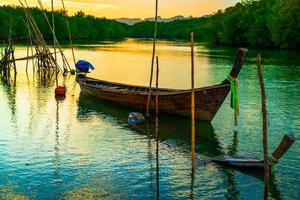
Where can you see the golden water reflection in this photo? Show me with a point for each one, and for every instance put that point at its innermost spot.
(129, 62)
(72, 148)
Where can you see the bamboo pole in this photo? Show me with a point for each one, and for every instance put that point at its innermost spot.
(69, 32)
(152, 61)
(193, 102)
(30, 43)
(14, 62)
(156, 129)
(65, 61)
(10, 32)
(27, 60)
(41, 47)
(31, 47)
(11, 50)
(40, 36)
(265, 125)
(54, 44)
(53, 27)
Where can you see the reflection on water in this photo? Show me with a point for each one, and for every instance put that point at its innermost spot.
(82, 148)
(6, 192)
(172, 128)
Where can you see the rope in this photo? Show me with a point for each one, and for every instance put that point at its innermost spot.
(72, 84)
(234, 98)
(273, 164)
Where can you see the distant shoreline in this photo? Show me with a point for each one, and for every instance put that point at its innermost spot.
(77, 43)
(255, 24)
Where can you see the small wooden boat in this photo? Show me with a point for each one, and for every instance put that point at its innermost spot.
(256, 163)
(208, 100)
(240, 162)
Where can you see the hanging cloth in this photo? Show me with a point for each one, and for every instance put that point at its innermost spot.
(234, 98)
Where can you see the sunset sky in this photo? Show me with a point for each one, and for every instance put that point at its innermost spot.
(135, 8)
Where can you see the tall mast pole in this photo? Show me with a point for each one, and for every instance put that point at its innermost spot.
(54, 44)
(193, 103)
(152, 61)
(156, 130)
(53, 28)
(265, 125)
(69, 32)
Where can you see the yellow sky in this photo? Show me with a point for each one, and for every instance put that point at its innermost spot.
(135, 8)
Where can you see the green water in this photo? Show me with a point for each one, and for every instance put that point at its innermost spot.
(82, 148)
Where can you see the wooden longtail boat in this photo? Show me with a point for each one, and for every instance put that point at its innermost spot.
(208, 100)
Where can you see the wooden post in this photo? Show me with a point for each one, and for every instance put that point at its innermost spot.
(13, 60)
(53, 27)
(27, 56)
(54, 43)
(69, 31)
(39, 36)
(47, 63)
(265, 125)
(193, 102)
(152, 61)
(29, 44)
(11, 50)
(156, 129)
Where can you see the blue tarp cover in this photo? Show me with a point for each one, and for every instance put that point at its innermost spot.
(84, 65)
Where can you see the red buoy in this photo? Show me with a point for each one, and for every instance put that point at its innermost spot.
(60, 91)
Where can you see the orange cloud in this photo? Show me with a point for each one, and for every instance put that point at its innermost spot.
(135, 8)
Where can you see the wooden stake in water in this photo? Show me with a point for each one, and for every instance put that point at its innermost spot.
(53, 27)
(156, 129)
(193, 102)
(69, 32)
(152, 61)
(11, 49)
(54, 44)
(265, 125)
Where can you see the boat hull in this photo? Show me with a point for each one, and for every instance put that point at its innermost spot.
(207, 100)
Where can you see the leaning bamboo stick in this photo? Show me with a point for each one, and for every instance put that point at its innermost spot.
(27, 60)
(54, 44)
(69, 32)
(14, 62)
(31, 48)
(55, 38)
(11, 50)
(152, 60)
(43, 45)
(193, 102)
(265, 125)
(30, 43)
(53, 27)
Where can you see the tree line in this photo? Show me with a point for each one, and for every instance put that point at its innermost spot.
(82, 26)
(253, 23)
